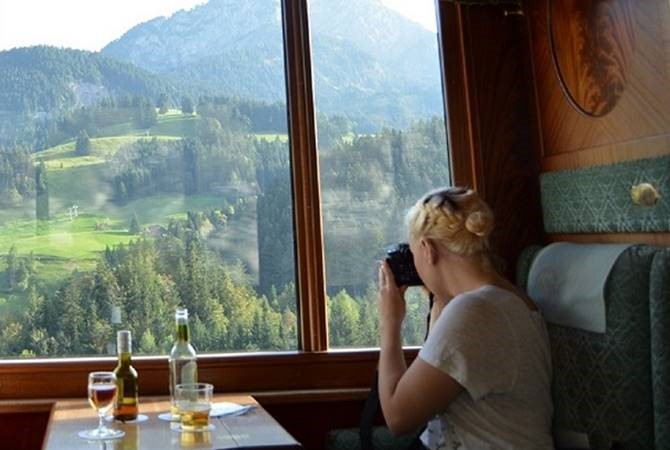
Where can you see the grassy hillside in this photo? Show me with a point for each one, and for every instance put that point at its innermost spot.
(74, 240)
(171, 124)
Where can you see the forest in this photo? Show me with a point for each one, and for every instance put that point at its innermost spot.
(124, 194)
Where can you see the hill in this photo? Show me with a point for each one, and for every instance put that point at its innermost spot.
(369, 61)
(48, 79)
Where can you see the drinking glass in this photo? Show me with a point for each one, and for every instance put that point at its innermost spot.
(101, 396)
(194, 402)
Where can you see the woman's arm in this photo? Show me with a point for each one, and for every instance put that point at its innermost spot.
(408, 396)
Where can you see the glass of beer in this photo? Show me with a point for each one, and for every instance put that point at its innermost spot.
(101, 396)
(194, 402)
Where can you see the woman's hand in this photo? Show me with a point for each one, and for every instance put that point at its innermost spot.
(391, 299)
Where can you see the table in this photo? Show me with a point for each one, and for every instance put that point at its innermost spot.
(254, 429)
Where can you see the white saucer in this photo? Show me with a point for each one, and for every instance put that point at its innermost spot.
(168, 417)
(114, 434)
(140, 418)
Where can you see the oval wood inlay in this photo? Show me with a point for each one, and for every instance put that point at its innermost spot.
(593, 47)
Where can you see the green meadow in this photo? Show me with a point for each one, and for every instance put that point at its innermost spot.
(83, 218)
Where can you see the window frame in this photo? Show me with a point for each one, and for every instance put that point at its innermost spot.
(314, 367)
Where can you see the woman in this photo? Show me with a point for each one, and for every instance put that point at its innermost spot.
(482, 378)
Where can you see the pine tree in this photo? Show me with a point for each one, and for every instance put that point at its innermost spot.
(344, 320)
(12, 268)
(187, 106)
(192, 156)
(162, 103)
(275, 218)
(134, 227)
(83, 145)
(41, 192)
(147, 344)
(145, 115)
(105, 293)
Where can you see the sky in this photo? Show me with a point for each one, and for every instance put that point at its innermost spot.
(96, 22)
(420, 11)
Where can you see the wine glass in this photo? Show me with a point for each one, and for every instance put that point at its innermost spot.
(101, 396)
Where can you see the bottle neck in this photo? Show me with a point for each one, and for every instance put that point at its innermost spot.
(124, 358)
(182, 332)
(123, 344)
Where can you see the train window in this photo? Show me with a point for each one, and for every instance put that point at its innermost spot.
(381, 144)
(144, 165)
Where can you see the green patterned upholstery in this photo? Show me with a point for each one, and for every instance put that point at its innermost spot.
(523, 265)
(660, 350)
(382, 439)
(597, 199)
(615, 386)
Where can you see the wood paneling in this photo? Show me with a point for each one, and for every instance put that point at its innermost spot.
(607, 154)
(23, 424)
(228, 373)
(488, 107)
(601, 74)
(456, 95)
(310, 420)
(308, 222)
(593, 48)
(612, 58)
(22, 431)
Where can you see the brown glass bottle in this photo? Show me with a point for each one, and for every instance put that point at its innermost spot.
(127, 402)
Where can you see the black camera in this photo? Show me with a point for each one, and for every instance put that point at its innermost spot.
(401, 261)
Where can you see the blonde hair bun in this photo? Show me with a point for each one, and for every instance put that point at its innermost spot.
(455, 218)
(479, 223)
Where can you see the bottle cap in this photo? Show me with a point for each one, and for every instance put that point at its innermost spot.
(123, 341)
(181, 315)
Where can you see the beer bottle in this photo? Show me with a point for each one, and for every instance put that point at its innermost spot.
(126, 406)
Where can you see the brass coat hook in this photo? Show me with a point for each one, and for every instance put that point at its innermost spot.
(644, 194)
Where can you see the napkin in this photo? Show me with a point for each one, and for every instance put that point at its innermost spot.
(229, 409)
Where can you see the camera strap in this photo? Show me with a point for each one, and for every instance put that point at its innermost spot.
(372, 405)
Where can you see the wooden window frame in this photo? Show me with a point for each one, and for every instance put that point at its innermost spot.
(314, 368)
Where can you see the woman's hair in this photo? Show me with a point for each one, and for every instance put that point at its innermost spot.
(455, 218)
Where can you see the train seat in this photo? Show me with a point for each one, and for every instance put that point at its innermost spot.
(611, 390)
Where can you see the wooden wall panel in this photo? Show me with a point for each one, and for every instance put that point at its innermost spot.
(487, 81)
(23, 431)
(23, 424)
(27, 379)
(608, 154)
(310, 421)
(601, 73)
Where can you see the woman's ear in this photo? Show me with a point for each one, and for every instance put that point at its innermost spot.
(429, 251)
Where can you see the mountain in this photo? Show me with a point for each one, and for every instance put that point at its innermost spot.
(47, 79)
(370, 63)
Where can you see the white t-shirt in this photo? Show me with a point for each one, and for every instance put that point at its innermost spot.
(493, 345)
